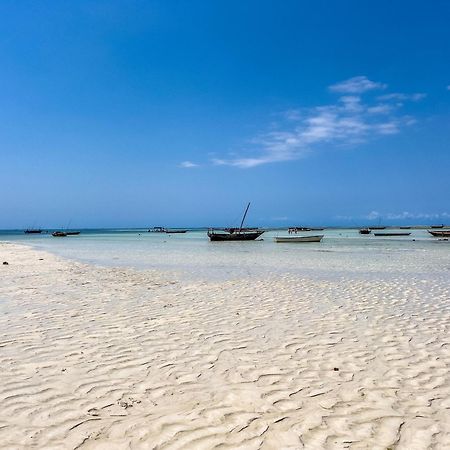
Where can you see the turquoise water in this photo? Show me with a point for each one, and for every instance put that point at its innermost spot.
(342, 252)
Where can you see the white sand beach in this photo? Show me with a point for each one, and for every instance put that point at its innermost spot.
(109, 358)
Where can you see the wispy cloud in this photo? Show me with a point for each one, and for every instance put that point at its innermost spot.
(374, 215)
(356, 85)
(188, 165)
(349, 120)
(390, 216)
(403, 97)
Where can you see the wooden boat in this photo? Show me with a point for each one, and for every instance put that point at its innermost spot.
(175, 231)
(235, 234)
(298, 239)
(365, 231)
(377, 228)
(440, 233)
(405, 228)
(59, 234)
(33, 231)
(437, 226)
(391, 234)
(72, 233)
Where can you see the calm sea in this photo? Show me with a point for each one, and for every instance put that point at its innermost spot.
(342, 252)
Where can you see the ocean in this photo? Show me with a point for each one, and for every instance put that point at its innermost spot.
(342, 253)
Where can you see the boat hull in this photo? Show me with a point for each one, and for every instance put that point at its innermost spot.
(298, 239)
(442, 233)
(238, 236)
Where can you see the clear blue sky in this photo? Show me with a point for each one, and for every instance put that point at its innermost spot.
(141, 113)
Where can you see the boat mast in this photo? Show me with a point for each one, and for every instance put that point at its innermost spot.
(243, 218)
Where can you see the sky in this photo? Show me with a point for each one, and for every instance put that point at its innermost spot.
(178, 113)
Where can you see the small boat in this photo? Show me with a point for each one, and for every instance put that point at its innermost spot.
(235, 234)
(440, 233)
(33, 231)
(157, 230)
(175, 231)
(297, 239)
(59, 234)
(377, 228)
(365, 231)
(405, 228)
(72, 233)
(437, 226)
(391, 234)
(298, 229)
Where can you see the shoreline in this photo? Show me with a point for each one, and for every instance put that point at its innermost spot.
(97, 357)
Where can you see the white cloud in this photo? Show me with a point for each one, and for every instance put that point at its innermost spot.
(403, 97)
(356, 85)
(373, 215)
(188, 165)
(448, 87)
(348, 121)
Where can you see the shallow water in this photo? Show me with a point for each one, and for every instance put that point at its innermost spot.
(342, 253)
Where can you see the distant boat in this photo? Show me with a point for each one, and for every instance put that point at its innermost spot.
(72, 233)
(33, 231)
(297, 229)
(405, 228)
(59, 234)
(437, 226)
(365, 231)
(157, 230)
(166, 230)
(391, 234)
(298, 239)
(377, 228)
(235, 234)
(441, 233)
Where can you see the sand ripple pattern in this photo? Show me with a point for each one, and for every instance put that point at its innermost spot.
(114, 359)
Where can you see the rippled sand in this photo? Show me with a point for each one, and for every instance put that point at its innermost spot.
(112, 358)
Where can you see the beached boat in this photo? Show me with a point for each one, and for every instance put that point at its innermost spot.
(33, 231)
(391, 234)
(298, 239)
(59, 234)
(440, 233)
(365, 231)
(235, 234)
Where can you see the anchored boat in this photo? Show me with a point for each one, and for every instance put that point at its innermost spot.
(298, 239)
(235, 234)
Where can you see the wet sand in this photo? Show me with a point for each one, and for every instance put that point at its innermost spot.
(111, 358)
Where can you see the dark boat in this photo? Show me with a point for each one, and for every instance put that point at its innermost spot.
(365, 231)
(377, 228)
(33, 231)
(437, 226)
(72, 233)
(59, 234)
(405, 228)
(235, 234)
(391, 234)
(175, 231)
(440, 233)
